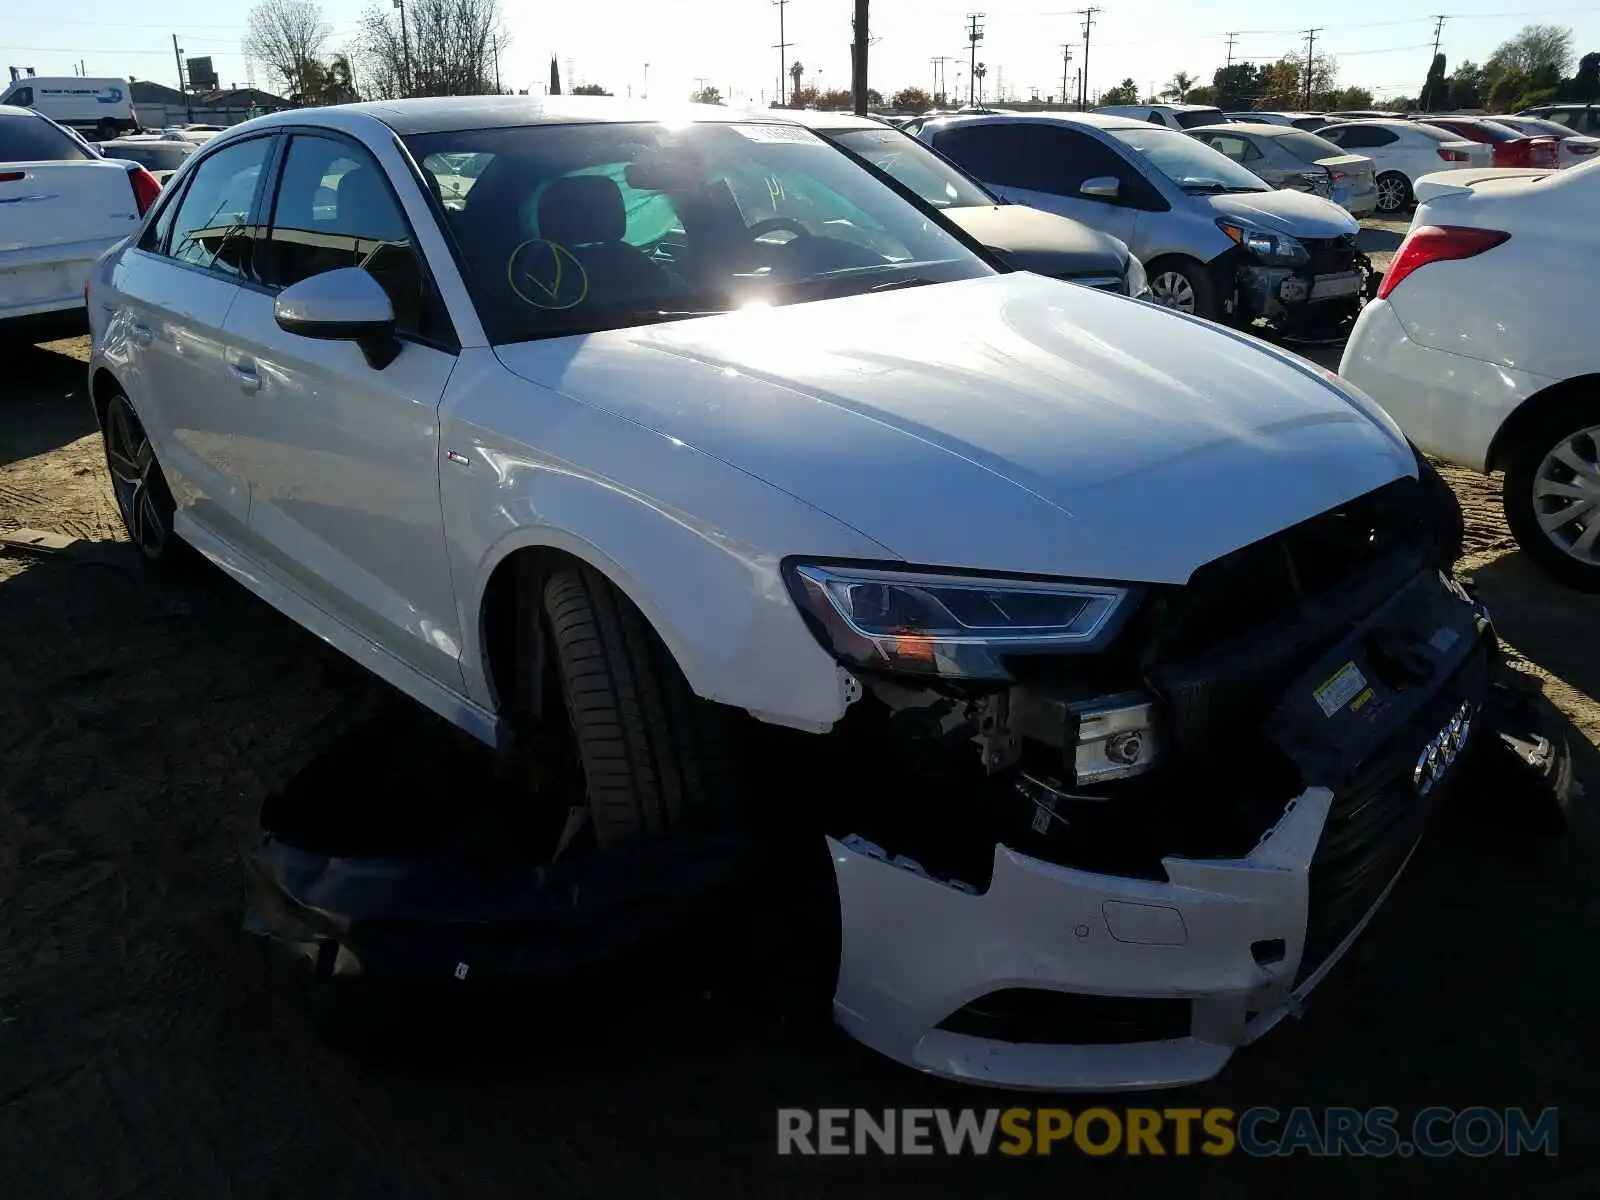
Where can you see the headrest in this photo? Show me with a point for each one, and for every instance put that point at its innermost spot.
(579, 209)
(363, 204)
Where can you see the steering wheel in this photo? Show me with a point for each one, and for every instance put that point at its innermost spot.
(773, 224)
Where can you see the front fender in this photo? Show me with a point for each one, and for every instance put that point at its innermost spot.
(694, 543)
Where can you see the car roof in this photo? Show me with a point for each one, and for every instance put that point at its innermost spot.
(439, 114)
(1094, 120)
(812, 119)
(1380, 123)
(1259, 128)
(1166, 107)
(16, 110)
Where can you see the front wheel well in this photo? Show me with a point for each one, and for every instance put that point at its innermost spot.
(1531, 411)
(102, 386)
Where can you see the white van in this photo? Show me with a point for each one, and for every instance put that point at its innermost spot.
(1173, 116)
(101, 107)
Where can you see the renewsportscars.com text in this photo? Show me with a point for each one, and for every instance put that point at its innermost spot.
(1259, 1132)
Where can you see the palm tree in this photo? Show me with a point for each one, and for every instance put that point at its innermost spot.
(1179, 87)
(797, 72)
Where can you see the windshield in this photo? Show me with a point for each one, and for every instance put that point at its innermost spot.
(1199, 117)
(1307, 147)
(915, 166)
(570, 229)
(1193, 166)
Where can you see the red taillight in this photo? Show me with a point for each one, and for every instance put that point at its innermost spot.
(146, 187)
(1437, 243)
(1338, 176)
(1454, 155)
(12, 176)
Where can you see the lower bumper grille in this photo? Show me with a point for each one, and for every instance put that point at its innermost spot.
(1331, 256)
(1034, 1016)
(1379, 817)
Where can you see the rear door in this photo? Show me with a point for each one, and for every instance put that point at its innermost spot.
(60, 209)
(343, 459)
(175, 290)
(1045, 167)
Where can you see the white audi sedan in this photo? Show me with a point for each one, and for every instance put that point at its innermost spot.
(1114, 656)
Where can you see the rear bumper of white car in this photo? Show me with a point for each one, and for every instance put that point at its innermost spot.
(1450, 405)
(1051, 978)
(37, 282)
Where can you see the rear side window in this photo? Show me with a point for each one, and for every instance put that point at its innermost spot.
(1356, 137)
(22, 97)
(1307, 147)
(1435, 133)
(210, 228)
(33, 139)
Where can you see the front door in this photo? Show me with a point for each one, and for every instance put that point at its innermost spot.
(343, 460)
(177, 288)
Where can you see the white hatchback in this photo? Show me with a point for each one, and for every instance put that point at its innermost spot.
(1481, 344)
(633, 433)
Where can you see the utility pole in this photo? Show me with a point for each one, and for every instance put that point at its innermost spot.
(1083, 72)
(974, 36)
(1066, 63)
(939, 85)
(1233, 38)
(858, 60)
(405, 43)
(783, 56)
(183, 82)
(495, 43)
(1311, 45)
(1427, 88)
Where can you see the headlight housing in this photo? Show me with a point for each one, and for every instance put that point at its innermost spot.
(952, 626)
(1138, 283)
(1278, 249)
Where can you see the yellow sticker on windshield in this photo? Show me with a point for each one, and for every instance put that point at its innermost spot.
(545, 274)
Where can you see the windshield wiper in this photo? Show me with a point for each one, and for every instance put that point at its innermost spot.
(908, 282)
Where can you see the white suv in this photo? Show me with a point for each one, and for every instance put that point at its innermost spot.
(696, 455)
(1481, 344)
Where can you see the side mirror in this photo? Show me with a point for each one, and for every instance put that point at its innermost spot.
(346, 305)
(1102, 187)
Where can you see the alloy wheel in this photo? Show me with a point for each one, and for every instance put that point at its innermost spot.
(1172, 289)
(136, 480)
(1566, 495)
(1391, 194)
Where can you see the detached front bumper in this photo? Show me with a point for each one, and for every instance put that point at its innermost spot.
(1065, 980)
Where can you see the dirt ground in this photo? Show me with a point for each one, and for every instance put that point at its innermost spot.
(148, 1047)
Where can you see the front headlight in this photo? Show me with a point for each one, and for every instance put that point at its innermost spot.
(1276, 248)
(1138, 283)
(951, 626)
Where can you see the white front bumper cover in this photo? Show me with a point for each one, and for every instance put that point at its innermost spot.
(916, 949)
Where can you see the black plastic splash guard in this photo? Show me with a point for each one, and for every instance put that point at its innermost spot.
(1358, 695)
(442, 917)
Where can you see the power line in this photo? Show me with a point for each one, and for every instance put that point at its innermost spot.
(1233, 38)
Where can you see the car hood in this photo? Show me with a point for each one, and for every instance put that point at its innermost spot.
(1299, 214)
(1033, 240)
(1011, 422)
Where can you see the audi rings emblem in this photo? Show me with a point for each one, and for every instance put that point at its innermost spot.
(1440, 754)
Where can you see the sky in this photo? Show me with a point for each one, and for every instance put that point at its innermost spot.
(1384, 45)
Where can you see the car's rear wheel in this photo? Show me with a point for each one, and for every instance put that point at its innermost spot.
(1185, 286)
(656, 758)
(106, 130)
(143, 499)
(1552, 493)
(1394, 192)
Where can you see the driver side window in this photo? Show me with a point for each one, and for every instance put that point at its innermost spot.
(208, 229)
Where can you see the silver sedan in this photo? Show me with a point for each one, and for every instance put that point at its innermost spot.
(1287, 157)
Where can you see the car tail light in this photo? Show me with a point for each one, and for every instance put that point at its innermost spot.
(1437, 243)
(146, 187)
(1454, 155)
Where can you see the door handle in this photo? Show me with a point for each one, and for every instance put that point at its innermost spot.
(244, 374)
(143, 334)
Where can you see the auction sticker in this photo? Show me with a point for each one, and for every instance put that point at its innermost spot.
(774, 133)
(1344, 686)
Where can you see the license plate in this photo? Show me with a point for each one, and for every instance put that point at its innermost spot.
(1329, 287)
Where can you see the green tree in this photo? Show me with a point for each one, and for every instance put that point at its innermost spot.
(913, 98)
(1584, 87)
(1179, 87)
(1352, 97)
(1469, 85)
(835, 98)
(1238, 87)
(1435, 90)
(1204, 94)
(1507, 90)
(589, 89)
(1534, 47)
(706, 95)
(1126, 92)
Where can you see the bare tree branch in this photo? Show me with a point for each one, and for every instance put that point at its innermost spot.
(287, 37)
(451, 45)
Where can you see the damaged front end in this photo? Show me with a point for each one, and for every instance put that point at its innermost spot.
(1103, 835)
(1306, 288)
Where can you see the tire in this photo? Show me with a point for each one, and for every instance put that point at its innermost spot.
(1169, 277)
(1562, 552)
(656, 758)
(144, 500)
(1394, 193)
(1521, 772)
(106, 130)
